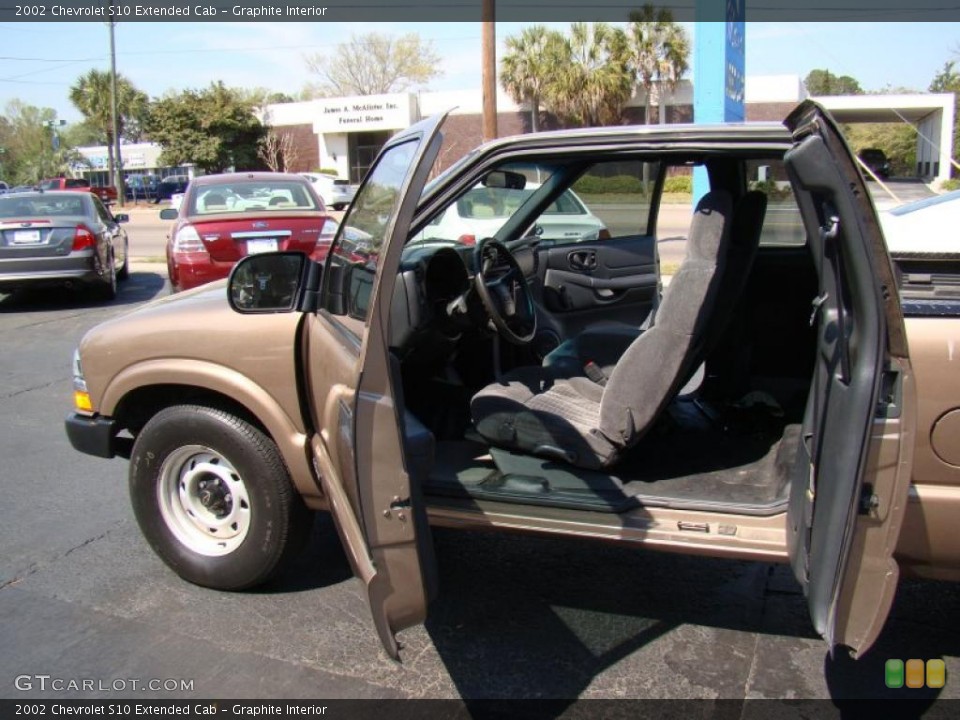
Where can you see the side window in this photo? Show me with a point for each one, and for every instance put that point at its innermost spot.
(783, 224)
(355, 254)
(102, 212)
(612, 199)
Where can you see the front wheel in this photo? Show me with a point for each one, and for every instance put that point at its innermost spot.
(213, 498)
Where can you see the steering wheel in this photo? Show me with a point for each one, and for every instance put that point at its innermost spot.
(504, 292)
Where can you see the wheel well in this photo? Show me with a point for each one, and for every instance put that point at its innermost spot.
(138, 406)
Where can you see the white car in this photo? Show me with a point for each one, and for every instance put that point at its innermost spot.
(924, 226)
(482, 211)
(335, 192)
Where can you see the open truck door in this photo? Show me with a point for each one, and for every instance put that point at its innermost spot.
(849, 486)
(372, 487)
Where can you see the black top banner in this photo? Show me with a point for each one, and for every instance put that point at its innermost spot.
(467, 10)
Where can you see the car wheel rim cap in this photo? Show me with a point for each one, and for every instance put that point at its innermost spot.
(204, 501)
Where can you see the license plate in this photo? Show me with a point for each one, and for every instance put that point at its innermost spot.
(261, 246)
(26, 237)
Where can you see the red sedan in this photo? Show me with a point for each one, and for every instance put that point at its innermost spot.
(224, 217)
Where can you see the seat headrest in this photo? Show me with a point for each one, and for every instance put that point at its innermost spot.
(707, 227)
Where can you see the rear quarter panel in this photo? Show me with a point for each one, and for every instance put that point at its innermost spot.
(929, 542)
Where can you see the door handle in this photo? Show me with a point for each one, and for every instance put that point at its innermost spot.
(583, 260)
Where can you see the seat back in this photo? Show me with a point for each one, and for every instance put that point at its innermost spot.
(745, 230)
(656, 364)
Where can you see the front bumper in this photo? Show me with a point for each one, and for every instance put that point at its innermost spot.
(92, 435)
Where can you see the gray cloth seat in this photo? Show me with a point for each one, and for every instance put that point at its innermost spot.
(535, 410)
(605, 343)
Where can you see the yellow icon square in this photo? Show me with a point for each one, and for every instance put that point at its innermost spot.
(936, 674)
(915, 673)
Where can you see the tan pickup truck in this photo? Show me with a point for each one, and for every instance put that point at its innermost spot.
(773, 403)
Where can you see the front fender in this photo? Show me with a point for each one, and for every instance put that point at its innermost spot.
(287, 431)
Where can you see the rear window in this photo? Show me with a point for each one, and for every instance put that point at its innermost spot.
(783, 224)
(252, 197)
(60, 205)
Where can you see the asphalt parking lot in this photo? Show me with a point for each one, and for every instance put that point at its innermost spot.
(83, 597)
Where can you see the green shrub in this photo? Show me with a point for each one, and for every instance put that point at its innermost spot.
(328, 171)
(772, 189)
(595, 185)
(678, 184)
(950, 184)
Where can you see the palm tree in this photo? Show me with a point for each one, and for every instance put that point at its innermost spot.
(525, 70)
(593, 82)
(659, 52)
(91, 96)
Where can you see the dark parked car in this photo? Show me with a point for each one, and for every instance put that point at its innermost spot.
(61, 238)
(224, 217)
(170, 185)
(876, 160)
(141, 187)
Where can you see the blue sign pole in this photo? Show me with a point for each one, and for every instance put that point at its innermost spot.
(719, 61)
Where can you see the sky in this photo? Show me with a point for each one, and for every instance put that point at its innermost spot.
(39, 61)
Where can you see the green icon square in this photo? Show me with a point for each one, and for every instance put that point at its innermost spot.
(893, 673)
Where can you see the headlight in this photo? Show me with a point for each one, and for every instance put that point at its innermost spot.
(81, 398)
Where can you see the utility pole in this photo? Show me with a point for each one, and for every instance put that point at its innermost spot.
(116, 173)
(489, 62)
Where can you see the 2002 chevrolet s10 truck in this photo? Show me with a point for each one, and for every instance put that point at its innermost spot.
(775, 405)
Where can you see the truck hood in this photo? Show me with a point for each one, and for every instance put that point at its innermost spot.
(192, 338)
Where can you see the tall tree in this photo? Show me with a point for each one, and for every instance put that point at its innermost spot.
(25, 137)
(90, 94)
(214, 128)
(526, 69)
(824, 82)
(659, 55)
(593, 83)
(373, 64)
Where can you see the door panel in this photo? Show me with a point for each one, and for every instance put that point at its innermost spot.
(849, 486)
(358, 448)
(614, 279)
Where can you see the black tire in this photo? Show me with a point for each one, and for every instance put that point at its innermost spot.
(170, 475)
(108, 290)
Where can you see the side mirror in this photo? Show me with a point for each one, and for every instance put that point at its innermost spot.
(168, 214)
(276, 282)
(121, 218)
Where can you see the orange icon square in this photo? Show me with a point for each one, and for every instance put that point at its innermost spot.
(915, 673)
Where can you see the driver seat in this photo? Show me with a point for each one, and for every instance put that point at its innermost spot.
(589, 425)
